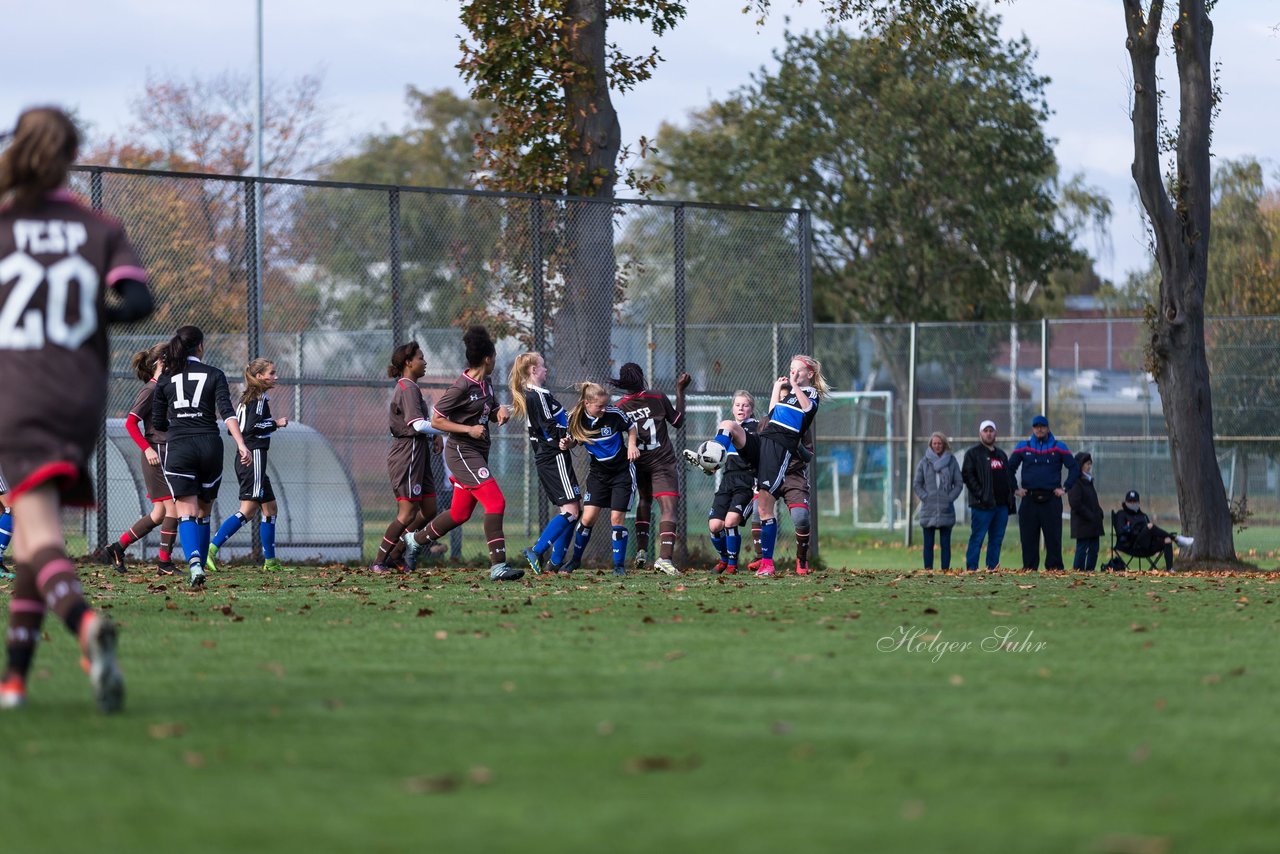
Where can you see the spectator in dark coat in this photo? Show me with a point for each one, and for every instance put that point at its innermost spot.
(986, 475)
(1042, 458)
(938, 484)
(1137, 535)
(1086, 515)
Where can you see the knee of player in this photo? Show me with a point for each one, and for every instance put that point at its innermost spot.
(716, 525)
(800, 519)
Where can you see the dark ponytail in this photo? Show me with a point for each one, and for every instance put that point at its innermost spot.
(185, 342)
(479, 346)
(630, 379)
(45, 144)
(400, 357)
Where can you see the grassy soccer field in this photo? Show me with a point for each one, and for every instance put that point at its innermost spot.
(333, 710)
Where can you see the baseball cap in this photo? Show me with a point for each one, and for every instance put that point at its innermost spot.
(1039, 421)
(1132, 497)
(985, 424)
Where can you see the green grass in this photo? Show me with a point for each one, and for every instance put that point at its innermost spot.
(333, 710)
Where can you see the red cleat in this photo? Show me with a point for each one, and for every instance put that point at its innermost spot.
(720, 567)
(730, 569)
(766, 569)
(802, 567)
(755, 565)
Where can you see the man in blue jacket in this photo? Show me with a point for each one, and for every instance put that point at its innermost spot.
(1041, 459)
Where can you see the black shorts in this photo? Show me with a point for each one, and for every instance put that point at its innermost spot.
(193, 466)
(733, 496)
(557, 478)
(255, 483)
(612, 488)
(770, 459)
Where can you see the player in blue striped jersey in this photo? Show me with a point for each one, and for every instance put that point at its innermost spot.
(548, 424)
(611, 478)
(732, 502)
(253, 414)
(793, 406)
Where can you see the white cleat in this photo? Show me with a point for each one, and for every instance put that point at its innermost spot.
(1185, 542)
(664, 565)
(98, 643)
(411, 549)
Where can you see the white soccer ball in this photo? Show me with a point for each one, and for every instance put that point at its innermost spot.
(710, 456)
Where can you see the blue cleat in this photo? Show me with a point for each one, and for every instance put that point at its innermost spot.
(535, 561)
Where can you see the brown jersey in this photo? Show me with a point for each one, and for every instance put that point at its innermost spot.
(409, 460)
(468, 402)
(56, 261)
(651, 412)
(142, 410)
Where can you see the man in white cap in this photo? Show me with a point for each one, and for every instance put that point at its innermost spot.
(986, 475)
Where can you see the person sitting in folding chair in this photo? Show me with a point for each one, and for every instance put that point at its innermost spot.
(1134, 534)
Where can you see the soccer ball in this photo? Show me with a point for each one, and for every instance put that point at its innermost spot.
(710, 456)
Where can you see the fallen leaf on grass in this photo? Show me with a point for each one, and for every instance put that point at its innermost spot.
(1211, 679)
(646, 764)
(956, 679)
(431, 785)
(208, 644)
(172, 730)
(780, 728)
(1140, 754)
(480, 775)
(673, 655)
(442, 635)
(274, 668)
(930, 610)
(996, 613)
(912, 810)
(425, 612)
(192, 759)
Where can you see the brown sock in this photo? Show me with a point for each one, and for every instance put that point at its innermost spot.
(168, 533)
(137, 531)
(389, 540)
(497, 542)
(666, 540)
(435, 529)
(59, 587)
(26, 614)
(642, 535)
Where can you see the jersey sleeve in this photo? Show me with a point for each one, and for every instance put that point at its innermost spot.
(160, 406)
(122, 261)
(447, 403)
(674, 417)
(222, 397)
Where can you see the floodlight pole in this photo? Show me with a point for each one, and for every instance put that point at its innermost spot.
(255, 277)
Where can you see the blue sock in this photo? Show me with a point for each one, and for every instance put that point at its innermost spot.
(189, 533)
(718, 540)
(230, 525)
(267, 533)
(553, 532)
(560, 546)
(768, 537)
(6, 530)
(733, 545)
(620, 536)
(580, 537)
(204, 531)
(724, 439)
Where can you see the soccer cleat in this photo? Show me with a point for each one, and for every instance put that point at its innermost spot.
(5, 574)
(619, 571)
(115, 553)
(690, 457)
(197, 577)
(720, 567)
(411, 549)
(502, 572)
(755, 565)
(13, 693)
(1184, 542)
(802, 567)
(535, 561)
(379, 567)
(642, 560)
(166, 567)
(664, 565)
(98, 644)
(731, 569)
(272, 565)
(570, 564)
(766, 569)
(209, 565)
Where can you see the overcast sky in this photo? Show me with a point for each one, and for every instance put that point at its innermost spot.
(97, 59)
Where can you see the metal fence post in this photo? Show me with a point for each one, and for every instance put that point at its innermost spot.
(806, 346)
(100, 454)
(907, 504)
(393, 256)
(538, 284)
(253, 298)
(682, 310)
(1044, 365)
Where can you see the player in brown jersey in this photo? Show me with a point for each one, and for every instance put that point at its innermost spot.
(656, 475)
(464, 413)
(409, 459)
(148, 365)
(57, 258)
(548, 423)
(793, 406)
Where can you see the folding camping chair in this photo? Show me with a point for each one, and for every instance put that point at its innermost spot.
(1122, 560)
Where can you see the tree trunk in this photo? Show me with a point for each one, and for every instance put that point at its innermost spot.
(1177, 357)
(581, 328)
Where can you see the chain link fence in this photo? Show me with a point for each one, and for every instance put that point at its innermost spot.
(326, 279)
